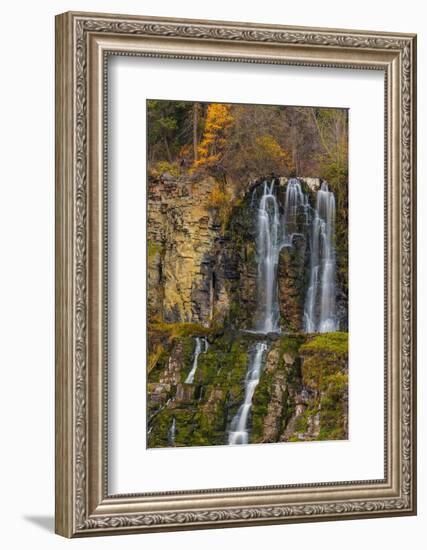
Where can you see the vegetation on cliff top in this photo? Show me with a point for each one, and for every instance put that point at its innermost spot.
(241, 141)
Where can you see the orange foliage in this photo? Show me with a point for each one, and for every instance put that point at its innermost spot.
(218, 119)
(185, 151)
(217, 196)
(220, 199)
(269, 148)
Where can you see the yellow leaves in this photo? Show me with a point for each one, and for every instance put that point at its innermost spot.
(163, 166)
(218, 119)
(269, 147)
(220, 198)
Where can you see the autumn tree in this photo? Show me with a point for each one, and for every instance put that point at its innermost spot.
(332, 128)
(214, 141)
(243, 142)
(255, 143)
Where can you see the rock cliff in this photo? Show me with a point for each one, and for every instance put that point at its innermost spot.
(201, 270)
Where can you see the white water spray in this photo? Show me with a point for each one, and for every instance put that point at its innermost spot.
(172, 432)
(239, 432)
(201, 347)
(320, 307)
(268, 248)
(296, 211)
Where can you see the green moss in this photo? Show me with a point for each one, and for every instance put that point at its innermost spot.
(301, 424)
(260, 402)
(331, 425)
(208, 367)
(153, 248)
(156, 357)
(330, 342)
(337, 383)
(157, 362)
(221, 371)
(332, 407)
(185, 424)
(287, 412)
(291, 343)
(174, 330)
(317, 362)
(250, 252)
(163, 166)
(324, 355)
(211, 421)
(158, 436)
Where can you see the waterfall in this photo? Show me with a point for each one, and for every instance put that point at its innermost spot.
(275, 231)
(201, 346)
(296, 211)
(268, 248)
(172, 432)
(319, 311)
(239, 432)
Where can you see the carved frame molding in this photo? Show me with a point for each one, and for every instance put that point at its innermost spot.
(83, 43)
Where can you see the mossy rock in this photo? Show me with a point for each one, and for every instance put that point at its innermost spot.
(317, 362)
(329, 342)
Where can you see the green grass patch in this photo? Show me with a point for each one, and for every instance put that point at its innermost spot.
(178, 330)
(329, 342)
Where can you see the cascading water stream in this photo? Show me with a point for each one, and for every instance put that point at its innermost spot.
(296, 212)
(320, 307)
(268, 248)
(172, 432)
(201, 347)
(239, 434)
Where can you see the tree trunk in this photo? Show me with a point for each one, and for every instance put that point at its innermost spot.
(195, 128)
(168, 153)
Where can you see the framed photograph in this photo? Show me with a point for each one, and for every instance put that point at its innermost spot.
(235, 274)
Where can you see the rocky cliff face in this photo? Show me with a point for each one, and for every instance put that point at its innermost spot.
(181, 235)
(198, 270)
(305, 389)
(201, 270)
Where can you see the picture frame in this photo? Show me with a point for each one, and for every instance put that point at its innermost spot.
(84, 42)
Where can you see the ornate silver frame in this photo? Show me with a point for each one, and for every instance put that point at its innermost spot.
(83, 42)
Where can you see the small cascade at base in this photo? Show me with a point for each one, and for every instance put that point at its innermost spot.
(239, 428)
(201, 347)
(172, 433)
